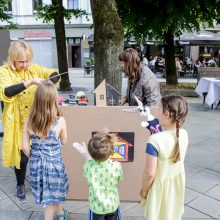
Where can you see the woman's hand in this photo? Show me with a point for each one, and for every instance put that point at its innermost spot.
(33, 81)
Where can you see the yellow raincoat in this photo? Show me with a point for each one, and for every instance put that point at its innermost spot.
(16, 109)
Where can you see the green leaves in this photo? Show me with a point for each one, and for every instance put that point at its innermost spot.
(48, 13)
(154, 18)
(4, 16)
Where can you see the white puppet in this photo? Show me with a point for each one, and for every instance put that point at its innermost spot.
(152, 123)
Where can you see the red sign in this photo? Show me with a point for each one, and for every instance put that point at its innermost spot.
(37, 34)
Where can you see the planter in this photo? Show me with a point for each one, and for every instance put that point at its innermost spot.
(182, 92)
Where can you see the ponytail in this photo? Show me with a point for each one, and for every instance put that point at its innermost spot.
(176, 153)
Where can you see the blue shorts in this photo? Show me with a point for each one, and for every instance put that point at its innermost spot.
(110, 216)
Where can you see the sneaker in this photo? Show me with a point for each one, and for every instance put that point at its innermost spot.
(21, 195)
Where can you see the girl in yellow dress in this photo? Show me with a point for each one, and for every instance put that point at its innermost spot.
(163, 185)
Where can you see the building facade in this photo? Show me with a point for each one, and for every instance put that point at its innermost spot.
(42, 37)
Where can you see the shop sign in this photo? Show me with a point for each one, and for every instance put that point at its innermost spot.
(37, 34)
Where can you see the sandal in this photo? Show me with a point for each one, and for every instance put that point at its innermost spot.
(64, 215)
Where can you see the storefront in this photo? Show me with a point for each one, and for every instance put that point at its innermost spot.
(43, 43)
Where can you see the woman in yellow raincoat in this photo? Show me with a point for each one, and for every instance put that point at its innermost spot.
(18, 81)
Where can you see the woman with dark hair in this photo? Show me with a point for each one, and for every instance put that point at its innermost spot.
(141, 80)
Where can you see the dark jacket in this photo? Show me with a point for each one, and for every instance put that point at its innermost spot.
(147, 89)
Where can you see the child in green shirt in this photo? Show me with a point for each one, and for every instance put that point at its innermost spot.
(103, 176)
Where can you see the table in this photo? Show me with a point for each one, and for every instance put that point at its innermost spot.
(209, 88)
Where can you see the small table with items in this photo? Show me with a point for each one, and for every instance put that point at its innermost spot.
(209, 89)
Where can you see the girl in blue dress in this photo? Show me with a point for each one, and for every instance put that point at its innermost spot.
(46, 129)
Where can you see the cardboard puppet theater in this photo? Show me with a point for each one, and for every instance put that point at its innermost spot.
(83, 122)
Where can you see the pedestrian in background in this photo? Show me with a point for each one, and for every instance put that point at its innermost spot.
(142, 82)
(18, 81)
(46, 129)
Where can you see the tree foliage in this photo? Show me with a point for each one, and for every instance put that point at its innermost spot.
(6, 17)
(48, 12)
(162, 20)
(56, 13)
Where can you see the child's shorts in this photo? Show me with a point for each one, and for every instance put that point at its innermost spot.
(110, 216)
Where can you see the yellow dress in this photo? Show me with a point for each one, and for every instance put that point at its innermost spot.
(16, 109)
(165, 197)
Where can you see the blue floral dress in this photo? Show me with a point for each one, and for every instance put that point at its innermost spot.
(49, 181)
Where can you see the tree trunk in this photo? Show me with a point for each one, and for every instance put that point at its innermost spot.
(108, 42)
(61, 45)
(171, 77)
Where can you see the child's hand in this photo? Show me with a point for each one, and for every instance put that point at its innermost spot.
(82, 149)
(143, 194)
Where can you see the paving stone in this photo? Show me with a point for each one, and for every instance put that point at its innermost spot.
(37, 216)
(10, 187)
(136, 211)
(211, 144)
(125, 206)
(4, 181)
(206, 158)
(2, 195)
(215, 167)
(214, 192)
(190, 195)
(8, 204)
(6, 171)
(74, 206)
(15, 215)
(203, 181)
(206, 205)
(192, 169)
(83, 210)
(193, 214)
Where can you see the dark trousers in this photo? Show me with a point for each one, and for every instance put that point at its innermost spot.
(20, 173)
(2, 106)
(111, 216)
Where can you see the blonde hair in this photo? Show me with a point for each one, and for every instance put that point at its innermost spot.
(178, 108)
(19, 51)
(101, 146)
(45, 109)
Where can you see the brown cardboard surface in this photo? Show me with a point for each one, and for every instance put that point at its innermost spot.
(81, 122)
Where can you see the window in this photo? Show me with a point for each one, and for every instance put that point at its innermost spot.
(36, 3)
(73, 4)
(8, 7)
(88, 7)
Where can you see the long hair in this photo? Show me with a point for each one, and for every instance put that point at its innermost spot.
(132, 64)
(101, 146)
(19, 51)
(178, 108)
(45, 109)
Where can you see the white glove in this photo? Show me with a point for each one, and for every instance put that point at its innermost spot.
(144, 124)
(83, 149)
